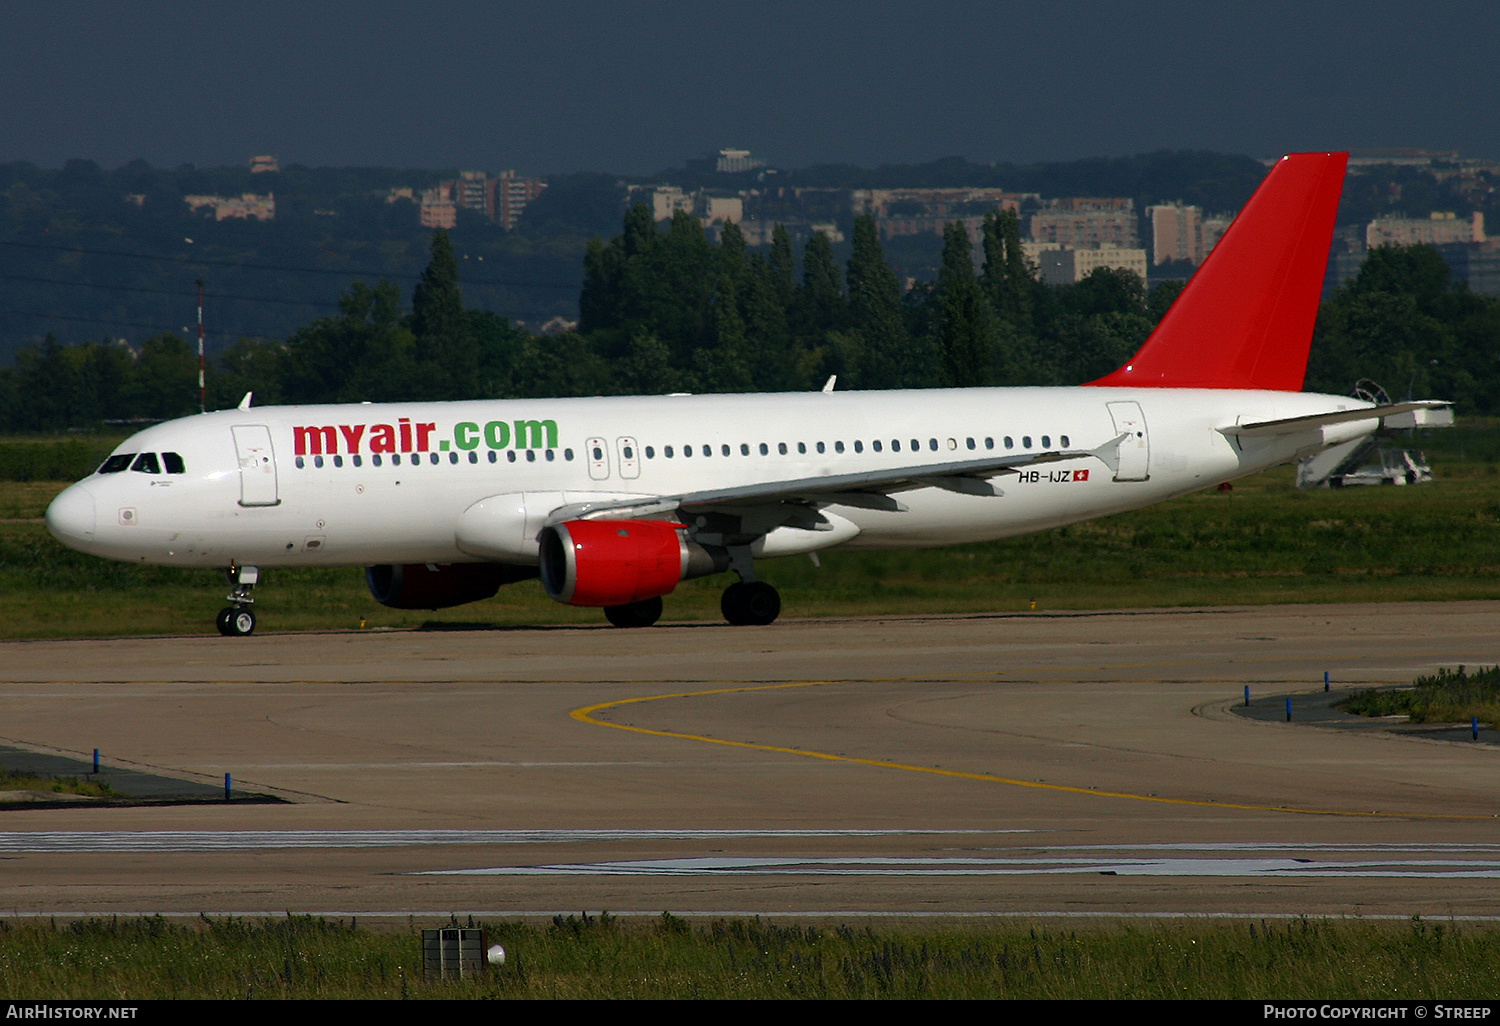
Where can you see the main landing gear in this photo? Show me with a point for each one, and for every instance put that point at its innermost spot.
(237, 619)
(634, 614)
(748, 603)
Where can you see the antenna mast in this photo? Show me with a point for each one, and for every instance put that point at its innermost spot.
(202, 396)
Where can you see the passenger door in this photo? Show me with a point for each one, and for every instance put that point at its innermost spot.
(252, 444)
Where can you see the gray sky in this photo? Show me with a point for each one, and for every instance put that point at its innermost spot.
(636, 87)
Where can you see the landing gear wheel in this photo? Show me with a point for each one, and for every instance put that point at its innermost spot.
(750, 603)
(634, 614)
(235, 622)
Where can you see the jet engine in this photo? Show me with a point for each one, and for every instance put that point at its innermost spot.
(438, 586)
(617, 562)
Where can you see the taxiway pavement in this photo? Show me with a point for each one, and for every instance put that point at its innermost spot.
(1063, 763)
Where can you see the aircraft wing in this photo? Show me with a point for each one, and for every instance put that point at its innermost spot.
(1290, 425)
(868, 490)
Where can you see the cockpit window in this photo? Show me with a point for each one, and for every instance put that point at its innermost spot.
(173, 463)
(146, 463)
(117, 463)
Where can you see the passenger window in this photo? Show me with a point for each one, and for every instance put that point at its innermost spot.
(650, 452)
(172, 462)
(859, 446)
(360, 460)
(970, 443)
(916, 445)
(876, 445)
(687, 452)
(895, 445)
(396, 460)
(375, 460)
(550, 455)
(146, 463)
(510, 456)
(1064, 441)
(301, 463)
(629, 453)
(820, 446)
(744, 448)
(117, 463)
(802, 447)
(318, 462)
(765, 450)
(474, 457)
(453, 458)
(666, 451)
(338, 461)
(724, 449)
(1026, 441)
(781, 448)
(989, 443)
(1009, 442)
(530, 455)
(708, 450)
(433, 459)
(568, 455)
(493, 457)
(838, 446)
(1046, 441)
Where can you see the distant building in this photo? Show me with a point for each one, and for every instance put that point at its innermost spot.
(513, 195)
(1176, 233)
(247, 206)
(667, 200)
(1064, 265)
(736, 161)
(1087, 222)
(1436, 230)
(715, 210)
(259, 165)
(1477, 263)
(762, 231)
(475, 190)
(436, 208)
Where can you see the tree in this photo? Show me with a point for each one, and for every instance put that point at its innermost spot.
(447, 353)
(875, 315)
(966, 333)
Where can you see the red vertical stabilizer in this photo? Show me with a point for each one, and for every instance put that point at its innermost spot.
(1246, 318)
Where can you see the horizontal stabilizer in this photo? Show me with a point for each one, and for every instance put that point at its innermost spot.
(1291, 425)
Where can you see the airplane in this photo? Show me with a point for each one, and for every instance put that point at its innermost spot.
(612, 501)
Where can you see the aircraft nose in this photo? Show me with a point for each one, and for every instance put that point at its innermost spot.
(70, 518)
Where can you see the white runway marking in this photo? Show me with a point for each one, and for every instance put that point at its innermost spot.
(1269, 867)
(19, 842)
(1465, 861)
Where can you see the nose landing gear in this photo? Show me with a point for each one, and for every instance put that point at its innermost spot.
(237, 620)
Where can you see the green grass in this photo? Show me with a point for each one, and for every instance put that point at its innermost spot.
(1265, 542)
(1452, 696)
(599, 957)
(17, 781)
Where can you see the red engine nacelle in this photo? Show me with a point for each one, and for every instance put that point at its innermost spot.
(614, 562)
(424, 586)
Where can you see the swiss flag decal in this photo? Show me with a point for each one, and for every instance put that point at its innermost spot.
(1080, 475)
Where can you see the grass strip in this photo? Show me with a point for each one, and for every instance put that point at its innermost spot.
(600, 957)
(1451, 696)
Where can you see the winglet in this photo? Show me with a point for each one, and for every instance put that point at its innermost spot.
(1246, 318)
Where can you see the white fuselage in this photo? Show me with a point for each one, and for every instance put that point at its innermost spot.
(365, 484)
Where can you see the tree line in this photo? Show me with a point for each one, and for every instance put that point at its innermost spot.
(664, 308)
